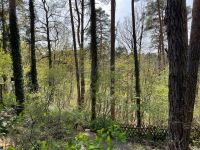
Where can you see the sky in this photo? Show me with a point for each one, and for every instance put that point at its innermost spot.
(123, 8)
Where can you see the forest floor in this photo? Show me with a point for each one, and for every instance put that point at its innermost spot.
(144, 145)
(132, 145)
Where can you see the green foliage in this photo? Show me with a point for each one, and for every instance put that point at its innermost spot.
(104, 140)
(5, 63)
(101, 122)
(42, 121)
(7, 119)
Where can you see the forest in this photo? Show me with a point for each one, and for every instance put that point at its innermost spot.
(99, 74)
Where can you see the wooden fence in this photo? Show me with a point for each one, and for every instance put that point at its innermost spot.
(154, 133)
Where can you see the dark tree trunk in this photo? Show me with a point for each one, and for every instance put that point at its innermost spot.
(82, 57)
(177, 53)
(75, 55)
(4, 35)
(192, 67)
(16, 56)
(112, 60)
(34, 82)
(94, 66)
(46, 9)
(79, 23)
(137, 69)
(49, 41)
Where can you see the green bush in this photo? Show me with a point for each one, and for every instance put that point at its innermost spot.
(102, 141)
(101, 123)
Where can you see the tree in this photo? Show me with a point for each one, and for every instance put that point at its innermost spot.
(161, 35)
(112, 60)
(16, 56)
(103, 27)
(94, 66)
(155, 23)
(177, 54)
(34, 82)
(80, 37)
(192, 69)
(4, 30)
(82, 56)
(75, 55)
(47, 15)
(137, 70)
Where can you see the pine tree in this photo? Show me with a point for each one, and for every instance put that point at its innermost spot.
(75, 56)
(34, 82)
(112, 60)
(94, 64)
(177, 53)
(137, 68)
(16, 56)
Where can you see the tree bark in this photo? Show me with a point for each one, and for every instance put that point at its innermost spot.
(75, 56)
(177, 53)
(112, 60)
(94, 66)
(137, 70)
(46, 9)
(16, 56)
(79, 23)
(192, 68)
(82, 57)
(34, 82)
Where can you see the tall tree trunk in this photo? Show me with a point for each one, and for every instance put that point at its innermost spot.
(49, 42)
(137, 70)
(112, 60)
(46, 9)
(4, 37)
(82, 57)
(177, 53)
(94, 65)
(34, 82)
(159, 57)
(161, 36)
(79, 23)
(192, 68)
(16, 56)
(75, 55)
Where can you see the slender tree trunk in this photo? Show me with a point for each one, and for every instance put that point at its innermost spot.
(16, 56)
(161, 37)
(141, 38)
(94, 66)
(137, 70)
(159, 57)
(112, 60)
(49, 42)
(46, 9)
(82, 58)
(177, 53)
(192, 68)
(4, 37)
(75, 55)
(79, 23)
(34, 82)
